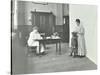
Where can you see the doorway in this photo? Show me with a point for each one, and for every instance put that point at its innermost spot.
(66, 29)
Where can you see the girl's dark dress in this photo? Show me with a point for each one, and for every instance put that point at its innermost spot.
(74, 44)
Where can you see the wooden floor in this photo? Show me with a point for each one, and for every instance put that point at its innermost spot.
(51, 62)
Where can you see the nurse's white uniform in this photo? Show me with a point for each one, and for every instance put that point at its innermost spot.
(81, 40)
(32, 40)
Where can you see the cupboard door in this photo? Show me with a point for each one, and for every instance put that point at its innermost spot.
(52, 23)
(33, 19)
(42, 24)
(47, 26)
(45, 22)
(37, 20)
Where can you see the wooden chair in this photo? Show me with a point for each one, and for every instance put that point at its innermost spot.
(30, 49)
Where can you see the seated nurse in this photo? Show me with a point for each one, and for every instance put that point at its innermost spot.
(32, 40)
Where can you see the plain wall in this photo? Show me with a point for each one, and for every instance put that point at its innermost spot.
(65, 9)
(88, 16)
(25, 8)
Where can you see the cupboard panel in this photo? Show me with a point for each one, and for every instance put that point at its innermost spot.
(45, 22)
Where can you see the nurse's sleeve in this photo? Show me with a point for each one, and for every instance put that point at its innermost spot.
(82, 30)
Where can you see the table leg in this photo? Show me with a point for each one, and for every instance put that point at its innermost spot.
(56, 47)
(59, 47)
(39, 47)
(44, 45)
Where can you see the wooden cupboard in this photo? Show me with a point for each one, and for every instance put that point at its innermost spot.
(45, 21)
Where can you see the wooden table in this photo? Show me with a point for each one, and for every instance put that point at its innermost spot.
(56, 41)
